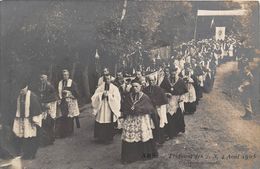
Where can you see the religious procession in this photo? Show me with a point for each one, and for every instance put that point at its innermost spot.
(138, 106)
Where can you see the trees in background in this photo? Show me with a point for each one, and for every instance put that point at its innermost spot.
(53, 35)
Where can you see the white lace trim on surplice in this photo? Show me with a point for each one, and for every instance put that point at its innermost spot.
(24, 128)
(137, 128)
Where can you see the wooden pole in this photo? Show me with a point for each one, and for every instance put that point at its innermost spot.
(115, 69)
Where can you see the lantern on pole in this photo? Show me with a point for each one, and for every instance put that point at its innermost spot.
(97, 55)
(97, 62)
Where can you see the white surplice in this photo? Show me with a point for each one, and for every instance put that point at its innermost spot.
(26, 127)
(103, 108)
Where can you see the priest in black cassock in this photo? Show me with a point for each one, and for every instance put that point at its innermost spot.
(159, 101)
(175, 88)
(137, 136)
(208, 81)
(120, 82)
(68, 103)
(197, 77)
(27, 121)
(48, 98)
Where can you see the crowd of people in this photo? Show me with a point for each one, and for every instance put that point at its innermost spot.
(147, 108)
(44, 114)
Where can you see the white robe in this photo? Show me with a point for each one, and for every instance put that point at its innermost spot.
(103, 109)
(231, 50)
(162, 112)
(191, 95)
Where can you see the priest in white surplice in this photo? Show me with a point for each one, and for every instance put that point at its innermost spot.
(106, 108)
(27, 120)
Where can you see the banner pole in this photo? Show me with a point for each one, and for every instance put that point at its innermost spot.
(195, 30)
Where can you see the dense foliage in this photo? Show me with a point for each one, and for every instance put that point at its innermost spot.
(52, 35)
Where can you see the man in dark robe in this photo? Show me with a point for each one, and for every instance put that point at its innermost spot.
(27, 120)
(123, 87)
(190, 96)
(189, 102)
(48, 99)
(198, 75)
(208, 82)
(174, 88)
(68, 103)
(159, 101)
(166, 85)
(196, 83)
(213, 68)
(137, 136)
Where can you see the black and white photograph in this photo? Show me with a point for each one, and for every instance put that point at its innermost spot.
(130, 84)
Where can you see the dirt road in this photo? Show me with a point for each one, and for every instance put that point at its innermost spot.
(215, 138)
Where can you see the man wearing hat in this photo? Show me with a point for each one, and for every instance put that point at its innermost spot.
(48, 98)
(27, 120)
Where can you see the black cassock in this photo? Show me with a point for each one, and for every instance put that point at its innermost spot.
(135, 151)
(158, 98)
(47, 94)
(208, 83)
(28, 146)
(176, 122)
(197, 87)
(199, 90)
(65, 124)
